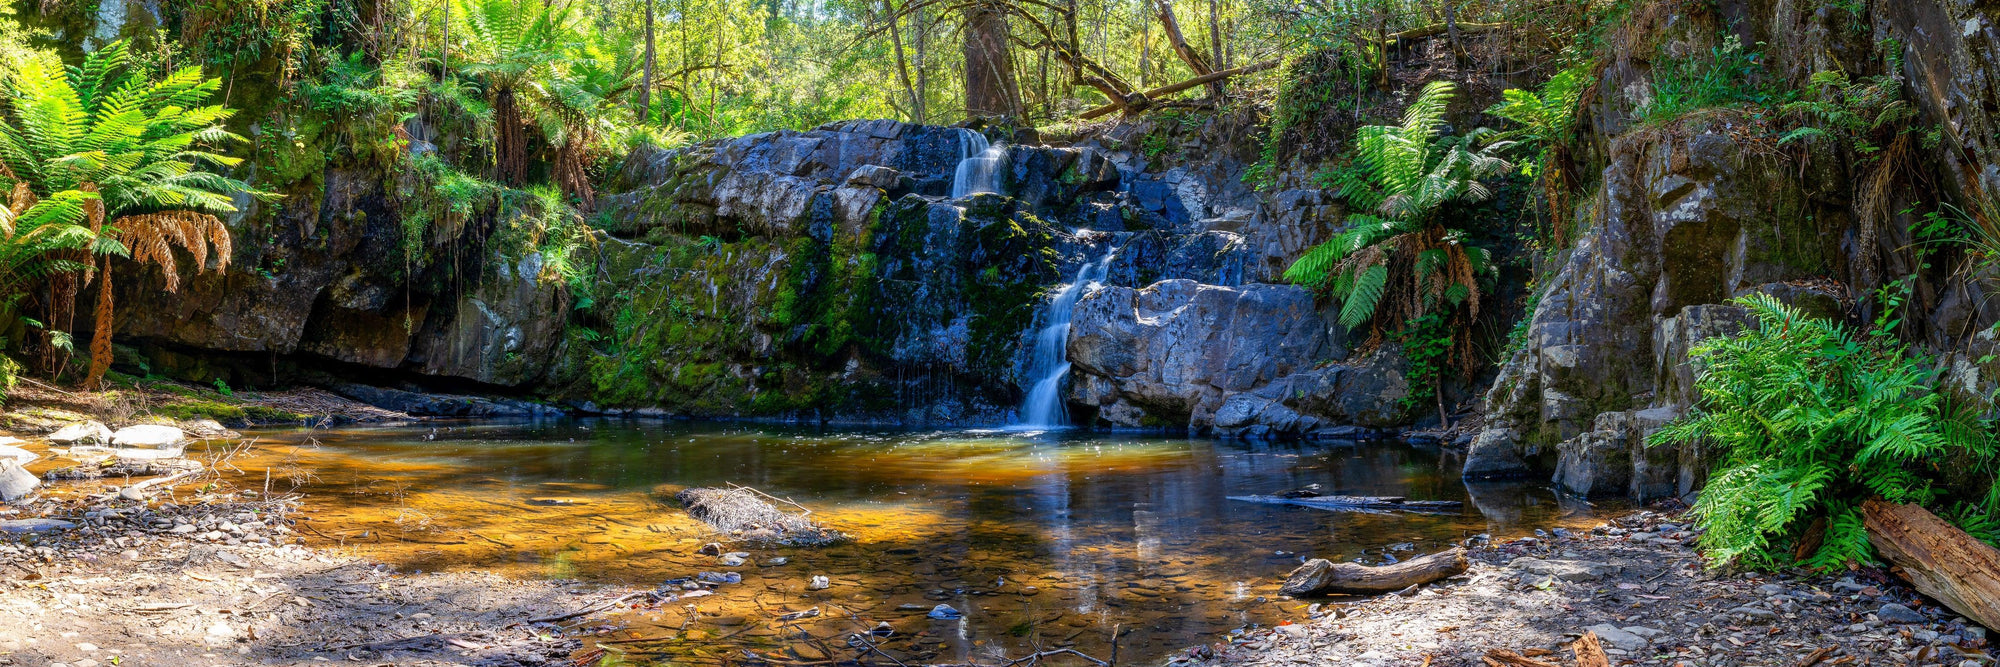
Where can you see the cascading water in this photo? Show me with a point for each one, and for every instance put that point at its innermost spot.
(979, 165)
(1049, 365)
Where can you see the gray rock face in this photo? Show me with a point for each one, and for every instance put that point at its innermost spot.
(1680, 226)
(1232, 360)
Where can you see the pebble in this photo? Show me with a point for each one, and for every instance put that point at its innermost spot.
(944, 612)
(1899, 614)
(818, 583)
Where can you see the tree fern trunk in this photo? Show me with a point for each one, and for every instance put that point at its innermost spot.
(100, 335)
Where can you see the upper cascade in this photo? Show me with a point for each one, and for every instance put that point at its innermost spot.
(979, 165)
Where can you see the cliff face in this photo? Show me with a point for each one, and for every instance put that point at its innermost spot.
(1693, 212)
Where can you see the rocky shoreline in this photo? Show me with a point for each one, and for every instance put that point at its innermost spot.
(1640, 587)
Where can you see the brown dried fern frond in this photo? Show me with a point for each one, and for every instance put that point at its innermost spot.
(152, 236)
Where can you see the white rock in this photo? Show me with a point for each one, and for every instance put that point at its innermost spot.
(148, 436)
(818, 584)
(85, 433)
(16, 481)
(22, 456)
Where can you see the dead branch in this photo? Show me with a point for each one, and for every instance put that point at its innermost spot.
(1170, 89)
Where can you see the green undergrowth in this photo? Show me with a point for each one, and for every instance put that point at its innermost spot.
(1810, 419)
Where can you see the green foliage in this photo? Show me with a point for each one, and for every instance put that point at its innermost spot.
(1427, 344)
(1404, 174)
(1851, 111)
(1729, 75)
(1546, 118)
(1808, 418)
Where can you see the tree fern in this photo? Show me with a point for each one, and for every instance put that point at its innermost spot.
(1398, 180)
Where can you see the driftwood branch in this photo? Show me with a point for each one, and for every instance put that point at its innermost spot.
(1937, 558)
(1322, 577)
(586, 611)
(1170, 89)
(1589, 651)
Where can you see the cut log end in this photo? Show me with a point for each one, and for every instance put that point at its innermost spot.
(1937, 558)
(1323, 577)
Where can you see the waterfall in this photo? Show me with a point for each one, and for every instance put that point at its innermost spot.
(979, 165)
(1049, 365)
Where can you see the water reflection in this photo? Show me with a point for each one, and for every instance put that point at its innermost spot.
(1041, 540)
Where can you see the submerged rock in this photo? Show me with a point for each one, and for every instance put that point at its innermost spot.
(944, 612)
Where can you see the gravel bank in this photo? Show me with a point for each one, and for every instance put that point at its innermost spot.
(1639, 586)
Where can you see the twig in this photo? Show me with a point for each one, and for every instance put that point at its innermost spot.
(588, 610)
(787, 501)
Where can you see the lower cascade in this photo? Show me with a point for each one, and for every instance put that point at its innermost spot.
(979, 165)
(1049, 363)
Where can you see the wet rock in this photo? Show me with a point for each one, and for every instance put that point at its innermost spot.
(944, 612)
(148, 436)
(85, 433)
(818, 583)
(733, 559)
(720, 577)
(34, 525)
(1242, 361)
(17, 455)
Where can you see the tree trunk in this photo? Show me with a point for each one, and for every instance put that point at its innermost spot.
(990, 89)
(1215, 88)
(100, 334)
(903, 66)
(1322, 577)
(1174, 37)
(510, 153)
(1937, 558)
(922, 42)
(652, 62)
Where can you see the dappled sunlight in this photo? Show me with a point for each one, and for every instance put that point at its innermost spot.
(1053, 538)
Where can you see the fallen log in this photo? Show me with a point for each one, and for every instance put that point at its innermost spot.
(1323, 577)
(1359, 503)
(1937, 558)
(1172, 88)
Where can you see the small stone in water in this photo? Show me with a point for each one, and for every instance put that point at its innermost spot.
(818, 583)
(720, 577)
(944, 612)
(731, 560)
(774, 562)
(710, 549)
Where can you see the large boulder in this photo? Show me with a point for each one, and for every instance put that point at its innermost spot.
(1247, 361)
(81, 433)
(16, 481)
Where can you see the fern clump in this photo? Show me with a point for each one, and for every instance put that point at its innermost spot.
(1404, 174)
(1809, 420)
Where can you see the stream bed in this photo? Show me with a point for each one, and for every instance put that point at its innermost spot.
(1039, 539)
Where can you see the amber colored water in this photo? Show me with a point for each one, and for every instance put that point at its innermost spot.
(1046, 540)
